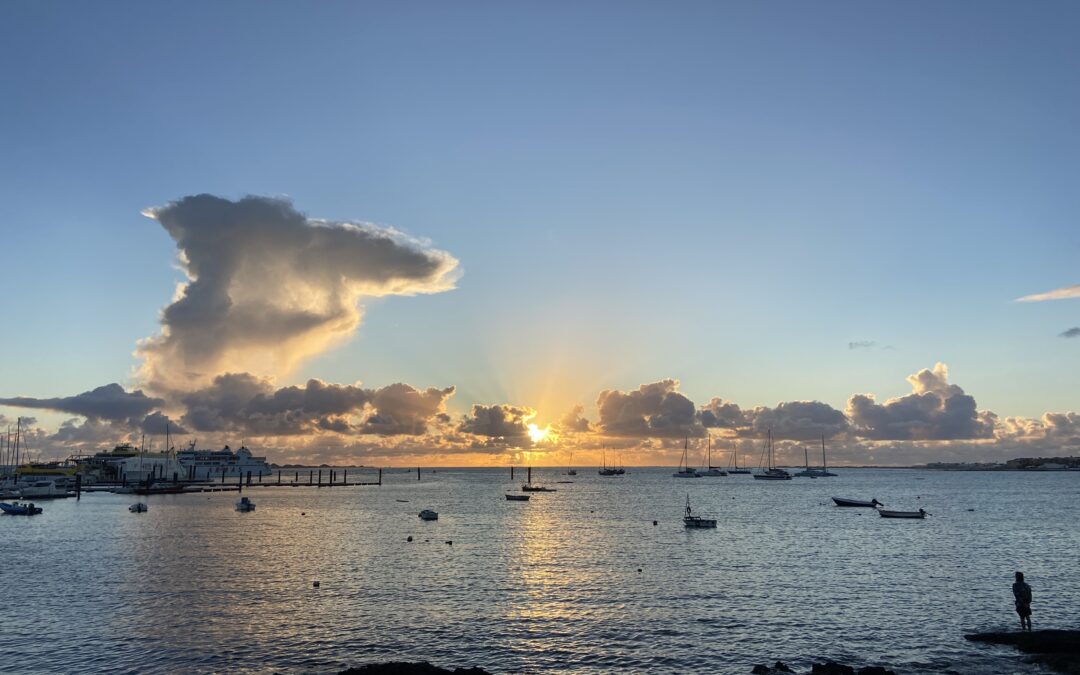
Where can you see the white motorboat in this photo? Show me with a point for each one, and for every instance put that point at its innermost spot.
(245, 505)
(428, 514)
(692, 521)
(43, 489)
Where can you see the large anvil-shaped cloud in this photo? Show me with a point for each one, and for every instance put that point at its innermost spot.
(269, 287)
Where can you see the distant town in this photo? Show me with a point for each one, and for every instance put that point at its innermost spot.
(1018, 464)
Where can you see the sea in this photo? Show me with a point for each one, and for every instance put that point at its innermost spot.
(598, 577)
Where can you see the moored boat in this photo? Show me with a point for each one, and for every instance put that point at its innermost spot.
(428, 514)
(711, 470)
(873, 503)
(138, 507)
(17, 509)
(245, 505)
(692, 521)
(768, 470)
(920, 514)
(684, 470)
(517, 498)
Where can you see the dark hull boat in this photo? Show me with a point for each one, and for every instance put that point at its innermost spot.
(517, 498)
(18, 509)
(919, 515)
(873, 503)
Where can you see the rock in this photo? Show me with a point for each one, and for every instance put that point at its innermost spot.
(874, 670)
(404, 668)
(1056, 649)
(761, 669)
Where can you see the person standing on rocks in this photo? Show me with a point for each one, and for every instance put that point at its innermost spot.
(1022, 594)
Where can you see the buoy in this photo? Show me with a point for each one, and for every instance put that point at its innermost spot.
(449, 543)
(639, 570)
(315, 584)
(654, 523)
(302, 513)
(409, 539)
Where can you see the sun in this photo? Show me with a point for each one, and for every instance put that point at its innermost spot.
(537, 434)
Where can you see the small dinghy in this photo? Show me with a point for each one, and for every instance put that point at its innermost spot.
(537, 488)
(872, 504)
(428, 514)
(18, 509)
(920, 514)
(245, 505)
(517, 498)
(138, 507)
(692, 521)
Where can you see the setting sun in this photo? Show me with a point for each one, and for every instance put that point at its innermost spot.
(537, 434)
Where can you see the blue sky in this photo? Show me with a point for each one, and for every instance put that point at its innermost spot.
(724, 193)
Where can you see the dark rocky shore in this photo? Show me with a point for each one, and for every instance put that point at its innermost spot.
(1056, 649)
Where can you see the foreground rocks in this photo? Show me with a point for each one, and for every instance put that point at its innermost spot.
(1056, 649)
(404, 668)
(827, 668)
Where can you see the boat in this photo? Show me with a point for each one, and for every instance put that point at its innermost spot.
(17, 509)
(527, 486)
(517, 498)
(692, 521)
(208, 465)
(43, 489)
(823, 472)
(712, 470)
(768, 470)
(606, 470)
(684, 470)
(245, 505)
(873, 503)
(920, 514)
(428, 514)
(138, 507)
(569, 471)
(733, 468)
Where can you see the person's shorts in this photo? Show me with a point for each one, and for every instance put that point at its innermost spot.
(1023, 609)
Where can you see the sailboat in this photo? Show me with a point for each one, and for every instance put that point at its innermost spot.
(569, 471)
(816, 473)
(684, 470)
(769, 470)
(697, 522)
(712, 470)
(527, 486)
(734, 466)
(606, 470)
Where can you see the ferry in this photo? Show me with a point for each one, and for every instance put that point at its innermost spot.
(213, 464)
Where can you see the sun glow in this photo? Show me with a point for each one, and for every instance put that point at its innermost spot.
(537, 434)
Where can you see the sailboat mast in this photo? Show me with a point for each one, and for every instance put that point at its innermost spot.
(823, 466)
(806, 457)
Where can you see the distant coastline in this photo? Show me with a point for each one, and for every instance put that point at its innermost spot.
(1018, 464)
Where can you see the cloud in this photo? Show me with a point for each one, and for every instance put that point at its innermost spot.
(935, 410)
(721, 414)
(1071, 333)
(1065, 293)
(108, 402)
(574, 421)
(269, 287)
(799, 421)
(499, 421)
(861, 344)
(246, 403)
(655, 410)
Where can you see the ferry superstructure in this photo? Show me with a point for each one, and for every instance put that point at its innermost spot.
(213, 464)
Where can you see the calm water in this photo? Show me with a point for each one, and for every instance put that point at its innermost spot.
(552, 585)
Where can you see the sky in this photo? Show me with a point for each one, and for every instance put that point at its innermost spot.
(636, 208)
